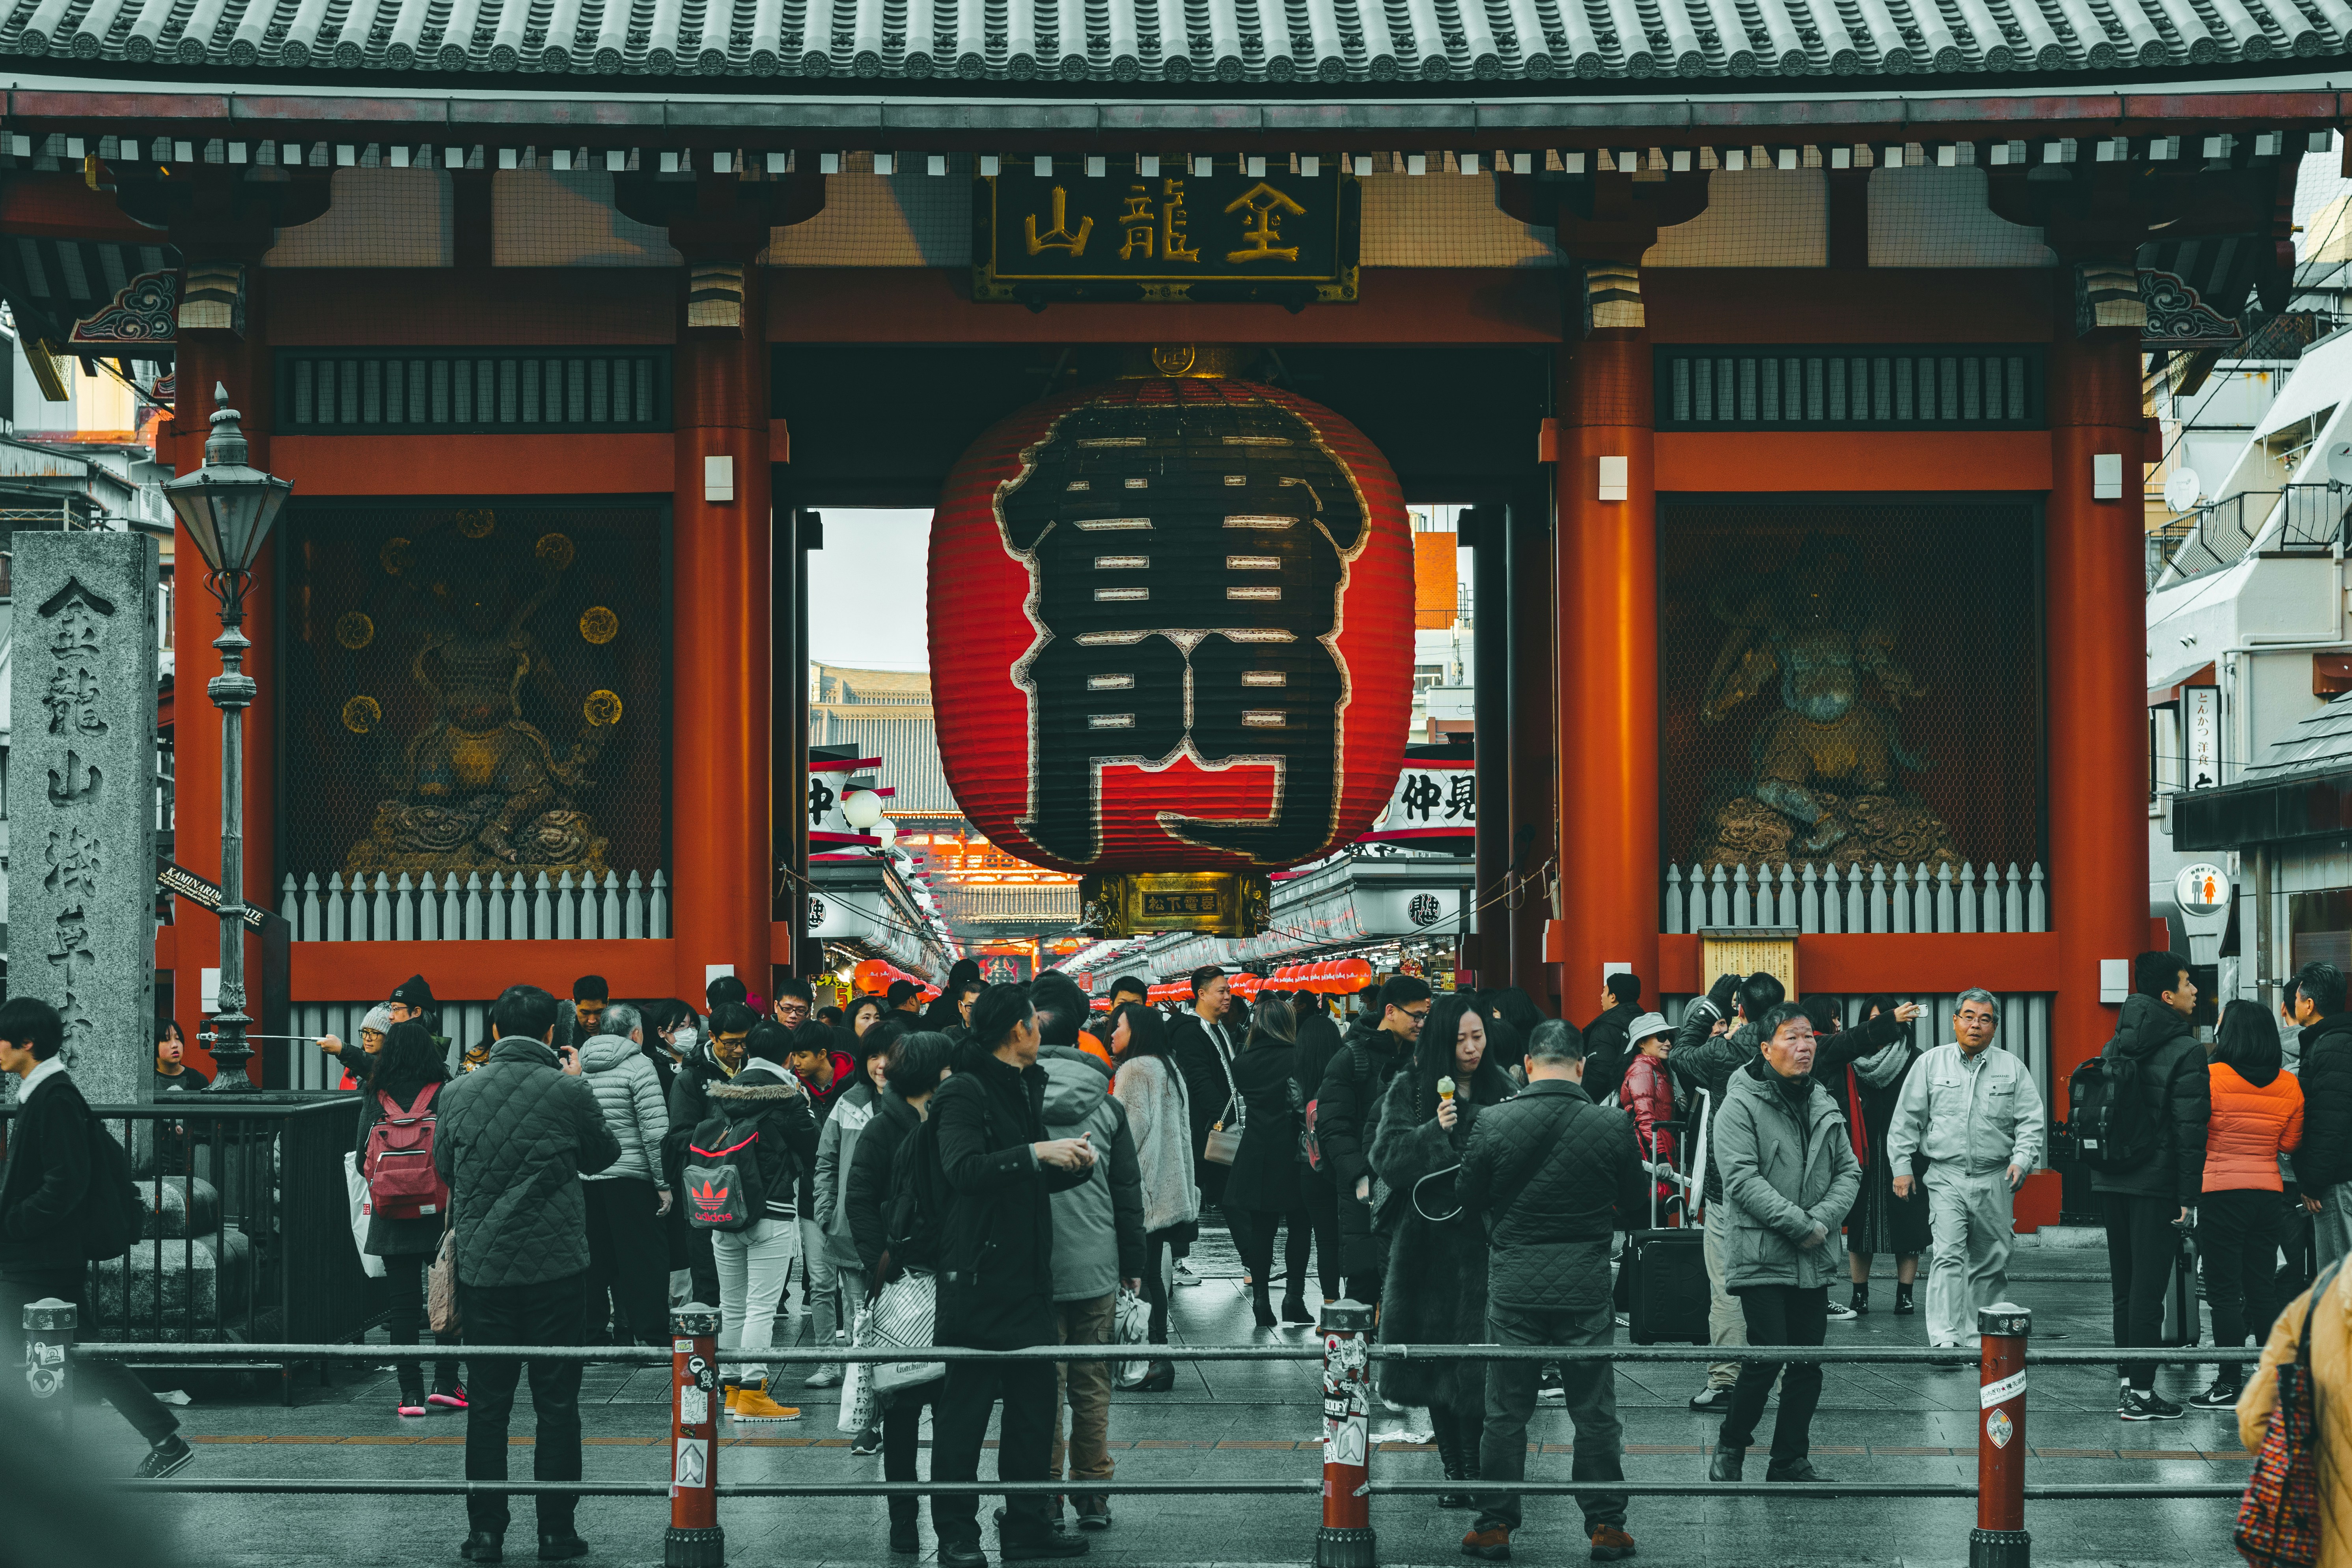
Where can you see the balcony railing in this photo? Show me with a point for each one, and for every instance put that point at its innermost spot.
(2298, 518)
(1899, 900)
(504, 909)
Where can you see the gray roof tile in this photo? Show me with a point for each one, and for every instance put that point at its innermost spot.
(1175, 41)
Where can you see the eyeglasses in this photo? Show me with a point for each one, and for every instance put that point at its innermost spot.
(1416, 1014)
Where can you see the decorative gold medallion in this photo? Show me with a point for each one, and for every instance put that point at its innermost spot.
(476, 524)
(602, 708)
(1173, 359)
(556, 550)
(361, 714)
(354, 630)
(599, 625)
(396, 557)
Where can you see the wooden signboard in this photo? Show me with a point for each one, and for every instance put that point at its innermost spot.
(1749, 950)
(1173, 236)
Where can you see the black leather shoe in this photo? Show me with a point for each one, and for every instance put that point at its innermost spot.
(1726, 1464)
(556, 1548)
(1161, 1381)
(1711, 1398)
(1795, 1470)
(961, 1555)
(481, 1546)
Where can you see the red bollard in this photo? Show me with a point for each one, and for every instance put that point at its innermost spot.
(694, 1539)
(2000, 1540)
(1345, 1539)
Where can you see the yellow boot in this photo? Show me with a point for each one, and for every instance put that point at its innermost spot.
(753, 1404)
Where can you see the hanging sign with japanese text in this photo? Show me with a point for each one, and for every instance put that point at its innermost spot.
(1173, 236)
(1434, 810)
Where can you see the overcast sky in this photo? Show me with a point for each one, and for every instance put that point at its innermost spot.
(866, 590)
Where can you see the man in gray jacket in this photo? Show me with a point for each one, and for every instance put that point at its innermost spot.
(1976, 1115)
(513, 1139)
(1789, 1176)
(1097, 1239)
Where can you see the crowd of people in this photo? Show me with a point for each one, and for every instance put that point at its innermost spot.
(1017, 1168)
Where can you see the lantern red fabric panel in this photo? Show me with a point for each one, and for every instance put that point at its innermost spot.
(1172, 629)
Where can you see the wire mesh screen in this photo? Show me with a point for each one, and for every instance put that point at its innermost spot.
(1819, 710)
(476, 689)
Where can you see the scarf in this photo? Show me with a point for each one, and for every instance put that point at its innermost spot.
(1883, 1068)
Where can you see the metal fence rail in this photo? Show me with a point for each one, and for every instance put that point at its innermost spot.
(1346, 1485)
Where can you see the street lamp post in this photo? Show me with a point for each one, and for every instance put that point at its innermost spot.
(227, 506)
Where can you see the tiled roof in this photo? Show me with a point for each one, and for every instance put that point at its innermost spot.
(2321, 741)
(1177, 41)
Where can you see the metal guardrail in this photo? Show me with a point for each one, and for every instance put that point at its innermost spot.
(1345, 1538)
(2220, 533)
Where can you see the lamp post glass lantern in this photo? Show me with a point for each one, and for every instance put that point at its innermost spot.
(227, 506)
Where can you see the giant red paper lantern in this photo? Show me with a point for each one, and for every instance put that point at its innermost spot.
(1172, 629)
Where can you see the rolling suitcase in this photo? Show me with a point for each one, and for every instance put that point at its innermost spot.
(1666, 1301)
(2180, 1320)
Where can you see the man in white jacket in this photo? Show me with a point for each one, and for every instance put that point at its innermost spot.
(1975, 1114)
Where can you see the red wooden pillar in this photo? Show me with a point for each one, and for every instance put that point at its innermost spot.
(1532, 798)
(240, 362)
(1608, 650)
(2097, 641)
(721, 615)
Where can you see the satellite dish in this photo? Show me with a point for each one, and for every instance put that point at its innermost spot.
(2339, 461)
(2180, 490)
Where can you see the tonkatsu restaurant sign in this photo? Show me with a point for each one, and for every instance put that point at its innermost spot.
(1172, 235)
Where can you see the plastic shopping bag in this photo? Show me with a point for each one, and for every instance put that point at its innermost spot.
(356, 1185)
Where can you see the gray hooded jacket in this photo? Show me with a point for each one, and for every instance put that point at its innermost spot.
(1787, 1173)
(1098, 1224)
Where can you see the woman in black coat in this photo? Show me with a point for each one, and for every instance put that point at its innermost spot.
(1435, 1292)
(1865, 1067)
(408, 1064)
(1262, 1190)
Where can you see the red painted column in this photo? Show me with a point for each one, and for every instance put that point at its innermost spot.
(1608, 648)
(1533, 795)
(721, 613)
(242, 365)
(2097, 640)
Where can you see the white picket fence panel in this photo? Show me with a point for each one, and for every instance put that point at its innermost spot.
(466, 1024)
(502, 908)
(1923, 900)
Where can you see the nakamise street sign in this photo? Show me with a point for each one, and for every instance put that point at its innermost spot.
(1174, 236)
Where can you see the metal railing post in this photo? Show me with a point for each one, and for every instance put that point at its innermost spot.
(2000, 1540)
(49, 1326)
(694, 1539)
(1345, 1540)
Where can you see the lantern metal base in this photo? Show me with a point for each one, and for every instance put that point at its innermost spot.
(1214, 903)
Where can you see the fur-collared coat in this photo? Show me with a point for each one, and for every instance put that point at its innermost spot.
(1158, 1112)
(1435, 1288)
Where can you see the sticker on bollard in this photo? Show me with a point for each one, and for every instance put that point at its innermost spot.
(694, 1539)
(2000, 1391)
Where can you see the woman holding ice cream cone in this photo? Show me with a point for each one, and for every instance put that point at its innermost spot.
(1435, 1292)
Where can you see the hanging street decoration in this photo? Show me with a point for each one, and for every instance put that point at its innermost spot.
(1171, 618)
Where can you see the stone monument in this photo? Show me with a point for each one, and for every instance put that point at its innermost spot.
(81, 800)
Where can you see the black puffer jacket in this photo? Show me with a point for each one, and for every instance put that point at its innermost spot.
(997, 1270)
(511, 1139)
(1318, 1042)
(871, 1167)
(1707, 1061)
(2326, 1157)
(2179, 1097)
(1347, 1109)
(1554, 1175)
(1605, 1054)
(786, 1152)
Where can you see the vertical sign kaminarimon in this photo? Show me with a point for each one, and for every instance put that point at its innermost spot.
(82, 799)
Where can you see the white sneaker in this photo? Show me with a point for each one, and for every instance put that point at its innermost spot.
(1184, 1275)
(1842, 1314)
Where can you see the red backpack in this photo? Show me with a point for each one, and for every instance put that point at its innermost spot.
(401, 1178)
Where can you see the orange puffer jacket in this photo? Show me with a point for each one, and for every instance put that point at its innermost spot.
(2250, 1128)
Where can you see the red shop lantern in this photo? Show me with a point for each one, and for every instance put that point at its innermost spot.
(1171, 624)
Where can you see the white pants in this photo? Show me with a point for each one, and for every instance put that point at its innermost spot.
(1726, 1323)
(1970, 1230)
(824, 1285)
(753, 1267)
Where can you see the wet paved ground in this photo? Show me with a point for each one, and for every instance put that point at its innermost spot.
(1260, 1421)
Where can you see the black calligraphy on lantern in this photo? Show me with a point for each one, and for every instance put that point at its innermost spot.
(1461, 799)
(1187, 563)
(1420, 796)
(821, 797)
